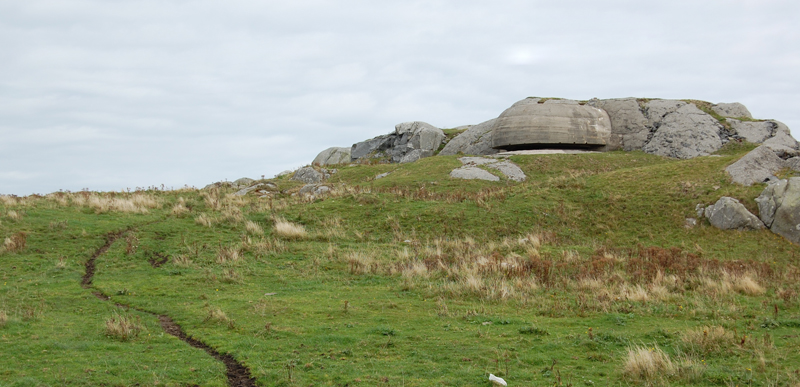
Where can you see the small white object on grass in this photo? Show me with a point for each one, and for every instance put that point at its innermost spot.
(497, 381)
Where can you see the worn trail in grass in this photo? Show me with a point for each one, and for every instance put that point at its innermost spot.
(415, 279)
(238, 375)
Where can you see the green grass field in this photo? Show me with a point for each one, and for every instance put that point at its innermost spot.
(583, 275)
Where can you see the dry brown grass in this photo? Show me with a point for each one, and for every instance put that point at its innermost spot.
(747, 285)
(181, 260)
(205, 220)
(179, 209)
(3, 318)
(708, 340)
(16, 242)
(289, 230)
(14, 215)
(648, 365)
(123, 328)
(228, 254)
(232, 215)
(362, 262)
(253, 228)
(137, 203)
(216, 315)
(265, 246)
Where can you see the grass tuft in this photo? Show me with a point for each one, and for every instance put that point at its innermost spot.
(645, 364)
(16, 242)
(253, 228)
(123, 328)
(289, 230)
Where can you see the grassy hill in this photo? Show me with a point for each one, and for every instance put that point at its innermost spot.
(582, 275)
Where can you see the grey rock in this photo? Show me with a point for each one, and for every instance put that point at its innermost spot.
(779, 207)
(561, 102)
(245, 191)
(242, 182)
(734, 109)
(528, 124)
(658, 109)
(685, 133)
(416, 137)
(409, 142)
(365, 148)
(757, 166)
(755, 132)
(472, 173)
(307, 189)
(414, 155)
(314, 189)
(782, 141)
(308, 175)
(793, 163)
(476, 160)
(728, 214)
(476, 140)
(700, 209)
(284, 173)
(690, 223)
(629, 127)
(509, 169)
(770, 199)
(333, 155)
(382, 175)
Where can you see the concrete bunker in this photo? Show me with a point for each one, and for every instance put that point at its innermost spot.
(529, 124)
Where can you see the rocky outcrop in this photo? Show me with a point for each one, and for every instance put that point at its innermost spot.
(410, 142)
(753, 131)
(242, 182)
(630, 129)
(671, 128)
(472, 173)
(728, 214)
(758, 166)
(332, 156)
(314, 189)
(310, 175)
(683, 131)
(734, 109)
(782, 141)
(470, 169)
(476, 140)
(779, 208)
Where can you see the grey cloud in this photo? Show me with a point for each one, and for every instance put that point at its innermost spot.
(105, 94)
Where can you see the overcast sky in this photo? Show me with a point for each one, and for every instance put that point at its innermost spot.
(109, 95)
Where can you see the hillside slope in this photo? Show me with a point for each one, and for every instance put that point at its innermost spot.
(584, 274)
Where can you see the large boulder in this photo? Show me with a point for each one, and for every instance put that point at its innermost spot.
(415, 140)
(782, 141)
(629, 127)
(409, 142)
(758, 166)
(469, 172)
(779, 208)
(728, 214)
(372, 147)
(332, 156)
(310, 175)
(242, 182)
(734, 109)
(530, 124)
(753, 131)
(476, 140)
(684, 131)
